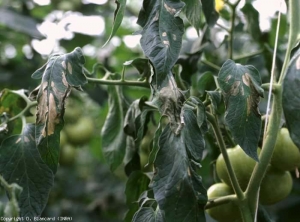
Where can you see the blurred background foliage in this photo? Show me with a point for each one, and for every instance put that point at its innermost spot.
(30, 30)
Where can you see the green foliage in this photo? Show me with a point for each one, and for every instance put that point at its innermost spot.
(161, 36)
(21, 163)
(59, 74)
(160, 142)
(291, 97)
(241, 89)
(119, 14)
(114, 144)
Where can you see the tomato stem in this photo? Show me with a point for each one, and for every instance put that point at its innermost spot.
(294, 34)
(266, 153)
(220, 200)
(218, 134)
(144, 83)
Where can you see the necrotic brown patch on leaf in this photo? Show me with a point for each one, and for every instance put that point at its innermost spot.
(169, 9)
(63, 63)
(228, 78)
(235, 88)
(246, 79)
(42, 108)
(69, 68)
(52, 117)
(166, 43)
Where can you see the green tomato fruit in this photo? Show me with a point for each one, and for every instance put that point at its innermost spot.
(63, 138)
(286, 155)
(72, 113)
(242, 165)
(225, 212)
(275, 186)
(68, 155)
(80, 132)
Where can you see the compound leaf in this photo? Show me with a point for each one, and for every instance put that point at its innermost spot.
(252, 17)
(161, 35)
(147, 214)
(210, 12)
(114, 138)
(177, 188)
(21, 163)
(136, 184)
(240, 86)
(118, 17)
(192, 12)
(59, 74)
(291, 98)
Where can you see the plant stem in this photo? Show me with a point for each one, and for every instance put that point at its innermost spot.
(266, 153)
(275, 87)
(231, 30)
(119, 82)
(249, 55)
(242, 202)
(220, 200)
(234, 182)
(28, 106)
(12, 189)
(210, 64)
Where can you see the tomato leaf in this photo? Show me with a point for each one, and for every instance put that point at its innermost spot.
(252, 17)
(59, 74)
(240, 86)
(192, 12)
(155, 146)
(21, 163)
(136, 184)
(11, 104)
(161, 35)
(216, 100)
(114, 138)
(206, 82)
(291, 98)
(118, 17)
(147, 214)
(210, 13)
(142, 65)
(135, 126)
(177, 187)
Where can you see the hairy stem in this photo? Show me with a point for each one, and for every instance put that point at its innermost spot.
(220, 200)
(266, 153)
(210, 64)
(249, 55)
(144, 84)
(231, 30)
(236, 187)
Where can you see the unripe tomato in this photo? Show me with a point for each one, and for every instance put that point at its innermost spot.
(80, 132)
(63, 138)
(275, 186)
(242, 165)
(286, 155)
(67, 155)
(72, 113)
(225, 212)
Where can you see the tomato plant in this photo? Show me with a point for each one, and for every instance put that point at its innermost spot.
(197, 97)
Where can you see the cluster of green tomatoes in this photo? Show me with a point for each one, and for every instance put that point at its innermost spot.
(78, 131)
(275, 186)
